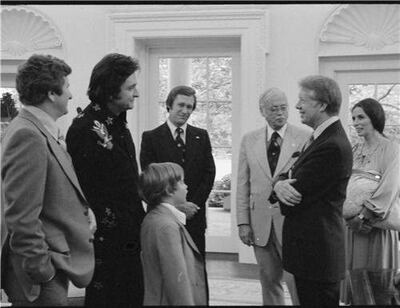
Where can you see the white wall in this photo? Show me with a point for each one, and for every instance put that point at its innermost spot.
(293, 45)
(294, 31)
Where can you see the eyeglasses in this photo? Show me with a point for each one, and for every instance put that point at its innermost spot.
(276, 109)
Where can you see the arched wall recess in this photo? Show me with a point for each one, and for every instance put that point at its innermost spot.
(361, 29)
(25, 30)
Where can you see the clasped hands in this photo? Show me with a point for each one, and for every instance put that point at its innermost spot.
(358, 225)
(189, 208)
(286, 193)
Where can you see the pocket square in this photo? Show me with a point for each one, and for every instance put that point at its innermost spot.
(296, 154)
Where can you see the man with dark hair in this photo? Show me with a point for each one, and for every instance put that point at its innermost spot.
(104, 157)
(49, 223)
(311, 197)
(189, 146)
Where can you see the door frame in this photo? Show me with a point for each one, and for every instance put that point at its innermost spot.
(224, 244)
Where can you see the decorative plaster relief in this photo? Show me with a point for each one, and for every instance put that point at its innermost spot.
(25, 30)
(370, 26)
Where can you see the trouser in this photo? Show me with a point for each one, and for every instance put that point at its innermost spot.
(52, 293)
(269, 258)
(317, 293)
(200, 240)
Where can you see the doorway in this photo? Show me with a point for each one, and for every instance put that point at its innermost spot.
(212, 72)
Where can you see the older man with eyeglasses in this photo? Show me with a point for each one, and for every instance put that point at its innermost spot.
(264, 154)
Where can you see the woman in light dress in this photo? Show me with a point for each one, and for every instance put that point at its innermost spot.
(367, 246)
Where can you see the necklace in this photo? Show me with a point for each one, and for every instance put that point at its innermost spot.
(365, 154)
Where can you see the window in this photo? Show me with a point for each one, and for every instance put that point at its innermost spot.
(388, 95)
(211, 77)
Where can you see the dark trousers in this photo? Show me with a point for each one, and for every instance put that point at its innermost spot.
(317, 293)
(200, 240)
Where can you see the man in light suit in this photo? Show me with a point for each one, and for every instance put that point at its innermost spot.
(312, 194)
(264, 154)
(50, 226)
(191, 149)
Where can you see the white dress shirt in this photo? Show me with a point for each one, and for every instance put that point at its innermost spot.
(324, 125)
(177, 213)
(173, 128)
(281, 132)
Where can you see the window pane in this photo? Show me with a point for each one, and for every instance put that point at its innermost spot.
(220, 87)
(162, 112)
(199, 116)
(199, 77)
(163, 78)
(390, 99)
(220, 123)
(358, 92)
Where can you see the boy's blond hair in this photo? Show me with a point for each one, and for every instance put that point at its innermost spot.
(157, 180)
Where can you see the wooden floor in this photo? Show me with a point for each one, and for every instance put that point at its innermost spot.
(227, 265)
(219, 265)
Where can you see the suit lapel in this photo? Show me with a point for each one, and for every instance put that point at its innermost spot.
(167, 142)
(315, 144)
(189, 238)
(59, 153)
(260, 151)
(288, 147)
(165, 211)
(192, 141)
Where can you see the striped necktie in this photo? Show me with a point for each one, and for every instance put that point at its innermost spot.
(181, 145)
(274, 150)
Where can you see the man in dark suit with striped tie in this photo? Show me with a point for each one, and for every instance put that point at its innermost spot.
(189, 146)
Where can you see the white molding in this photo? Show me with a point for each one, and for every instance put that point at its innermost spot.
(135, 33)
(354, 29)
(26, 30)
(130, 33)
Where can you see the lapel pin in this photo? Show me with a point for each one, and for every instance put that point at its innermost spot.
(197, 137)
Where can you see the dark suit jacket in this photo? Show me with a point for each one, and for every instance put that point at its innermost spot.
(45, 209)
(313, 231)
(159, 146)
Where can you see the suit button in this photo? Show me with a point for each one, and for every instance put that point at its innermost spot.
(91, 240)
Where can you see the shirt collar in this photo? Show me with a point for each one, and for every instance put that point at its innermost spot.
(324, 125)
(173, 128)
(177, 213)
(105, 114)
(281, 131)
(44, 118)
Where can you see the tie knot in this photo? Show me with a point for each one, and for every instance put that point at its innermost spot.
(179, 131)
(275, 136)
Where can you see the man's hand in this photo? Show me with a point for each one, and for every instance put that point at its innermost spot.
(189, 208)
(286, 193)
(92, 221)
(246, 235)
